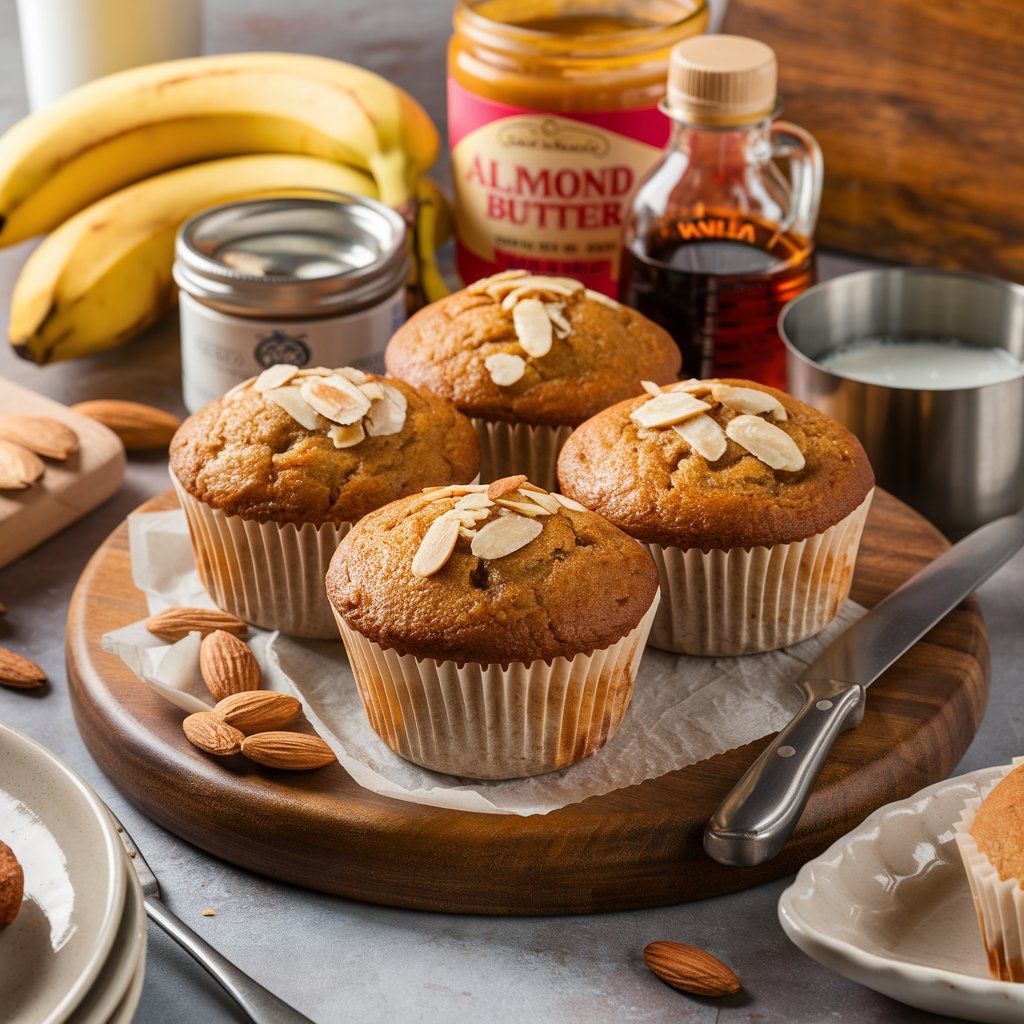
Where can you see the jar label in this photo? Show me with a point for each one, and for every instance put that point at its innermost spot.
(220, 350)
(543, 191)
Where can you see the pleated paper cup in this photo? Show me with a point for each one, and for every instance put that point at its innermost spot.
(269, 574)
(998, 902)
(496, 721)
(745, 600)
(510, 448)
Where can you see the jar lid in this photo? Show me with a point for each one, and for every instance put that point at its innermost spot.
(721, 80)
(292, 257)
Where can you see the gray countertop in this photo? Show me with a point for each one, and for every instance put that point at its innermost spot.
(342, 961)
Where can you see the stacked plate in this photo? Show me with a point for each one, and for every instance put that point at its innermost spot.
(76, 952)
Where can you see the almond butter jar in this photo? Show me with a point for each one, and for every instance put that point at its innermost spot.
(553, 120)
(305, 281)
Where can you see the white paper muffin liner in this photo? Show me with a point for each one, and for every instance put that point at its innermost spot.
(510, 448)
(269, 574)
(999, 902)
(496, 721)
(742, 601)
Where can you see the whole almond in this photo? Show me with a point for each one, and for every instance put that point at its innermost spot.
(40, 434)
(19, 468)
(258, 710)
(292, 751)
(209, 732)
(140, 427)
(227, 665)
(12, 885)
(18, 672)
(690, 969)
(174, 623)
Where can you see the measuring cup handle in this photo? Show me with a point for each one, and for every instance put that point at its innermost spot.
(806, 172)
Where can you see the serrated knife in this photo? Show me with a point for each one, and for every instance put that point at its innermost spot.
(757, 817)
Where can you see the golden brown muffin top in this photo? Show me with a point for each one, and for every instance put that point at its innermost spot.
(999, 826)
(531, 349)
(490, 575)
(264, 452)
(716, 464)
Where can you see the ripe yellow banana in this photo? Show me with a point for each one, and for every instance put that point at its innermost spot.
(128, 126)
(105, 274)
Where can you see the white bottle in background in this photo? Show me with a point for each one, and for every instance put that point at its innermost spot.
(67, 42)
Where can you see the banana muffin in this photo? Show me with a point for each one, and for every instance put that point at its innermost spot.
(990, 837)
(494, 632)
(272, 476)
(751, 502)
(528, 358)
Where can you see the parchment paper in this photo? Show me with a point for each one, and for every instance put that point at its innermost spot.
(684, 709)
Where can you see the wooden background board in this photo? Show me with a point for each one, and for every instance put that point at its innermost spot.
(637, 847)
(916, 104)
(67, 490)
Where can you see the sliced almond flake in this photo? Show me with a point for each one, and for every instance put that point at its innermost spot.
(505, 369)
(502, 536)
(560, 322)
(470, 516)
(478, 499)
(477, 287)
(529, 289)
(347, 437)
(650, 387)
(437, 545)
(275, 376)
(704, 436)
(771, 444)
(748, 400)
(387, 416)
(528, 508)
(323, 371)
(372, 389)
(439, 491)
(533, 328)
(336, 398)
(668, 408)
(352, 374)
(465, 531)
(693, 386)
(290, 399)
(605, 300)
(505, 485)
(569, 502)
(545, 500)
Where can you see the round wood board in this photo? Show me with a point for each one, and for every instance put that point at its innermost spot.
(637, 847)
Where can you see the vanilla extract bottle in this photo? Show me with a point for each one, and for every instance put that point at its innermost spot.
(718, 239)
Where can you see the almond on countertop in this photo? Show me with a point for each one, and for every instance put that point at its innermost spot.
(291, 751)
(212, 734)
(227, 665)
(40, 434)
(174, 623)
(140, 427)
(12, 885)
(18, 672)
(256, 711)
(690, 969)
(19, 467)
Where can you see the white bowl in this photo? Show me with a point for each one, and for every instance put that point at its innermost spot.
(888, 906)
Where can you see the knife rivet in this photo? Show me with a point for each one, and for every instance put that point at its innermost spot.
(787, 751)
(823, 705)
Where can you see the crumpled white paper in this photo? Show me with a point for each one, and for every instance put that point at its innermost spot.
(684, 709)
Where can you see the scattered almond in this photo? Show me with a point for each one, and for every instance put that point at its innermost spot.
(748, 400)
(336, 398)
(650, 387)
(227, 665)
(704, 436)
(505, 369)
(289, 398)
(437, 545)
(570, 503)
(475, 500)
(667, 409)
(506, 485)
(347, 437)
(258, 710)
(693, 386)
(533, 327)
(527, 508)
(275, 376)
(140, 427)
(209, 912)
(387, 416)
(18, 672)
(548, 502)
(502, 536)
(605, 300)
(690, 969)
(19, 467)
(40, 434)
(12, 886)
(769, 443)
(174, 623)
(292, 751)
(210, 733)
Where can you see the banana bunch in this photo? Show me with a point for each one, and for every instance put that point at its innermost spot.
(112, 169)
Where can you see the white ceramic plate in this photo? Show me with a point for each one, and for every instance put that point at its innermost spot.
(888, 905)
(75, 884)
(126, 956)
(126, 1010)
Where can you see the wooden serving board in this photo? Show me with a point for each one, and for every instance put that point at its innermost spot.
(637, 847)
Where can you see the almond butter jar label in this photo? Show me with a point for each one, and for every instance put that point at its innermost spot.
(543, 191)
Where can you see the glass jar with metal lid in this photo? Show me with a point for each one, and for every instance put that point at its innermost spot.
(307, 281)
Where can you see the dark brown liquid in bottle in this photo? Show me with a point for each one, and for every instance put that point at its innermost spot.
(717, 284)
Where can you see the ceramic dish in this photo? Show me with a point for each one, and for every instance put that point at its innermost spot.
(75, 884)
(888, 905)
(126, 1010)
(126, 958)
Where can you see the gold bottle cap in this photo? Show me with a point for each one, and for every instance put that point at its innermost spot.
(721, 80)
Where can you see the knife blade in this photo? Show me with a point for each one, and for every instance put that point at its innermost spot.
(759, 814)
